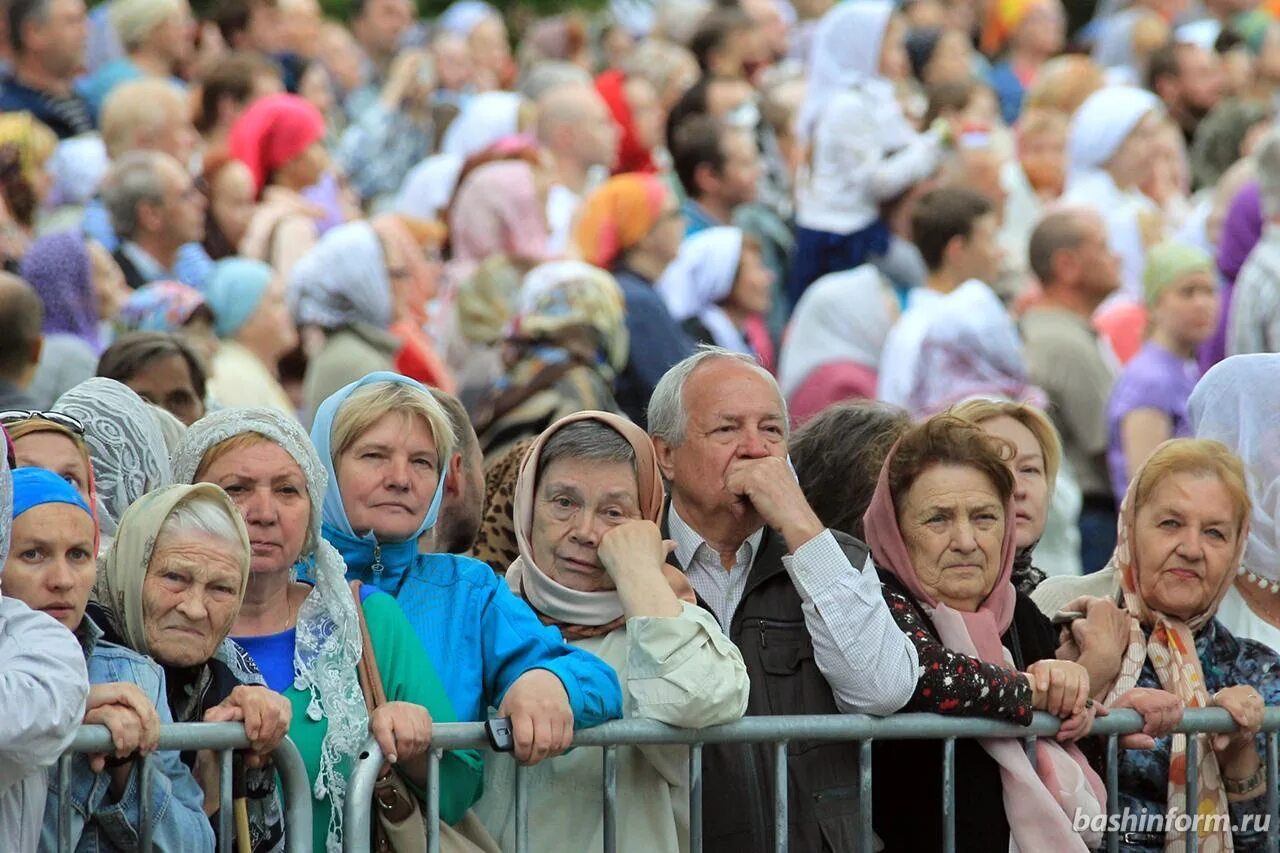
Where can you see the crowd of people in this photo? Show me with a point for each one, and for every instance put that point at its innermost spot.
(681, 361)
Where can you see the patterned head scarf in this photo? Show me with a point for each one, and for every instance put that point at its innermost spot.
(124, 568)
(57, 267)
(125, 444)
(342, 280)
(327, 650)
(617, 216)
(1171, 648)
(563, 298)
(161, 306)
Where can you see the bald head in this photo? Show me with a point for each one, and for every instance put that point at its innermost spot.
(1062, 230)
(575, 125)
(21, 316)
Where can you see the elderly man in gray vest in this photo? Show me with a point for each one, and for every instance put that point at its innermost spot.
(801, 602)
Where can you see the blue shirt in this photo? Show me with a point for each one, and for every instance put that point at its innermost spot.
(696, 217)
(192, 266)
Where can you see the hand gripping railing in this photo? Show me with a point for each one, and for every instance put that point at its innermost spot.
(779, 731)
(222, 737)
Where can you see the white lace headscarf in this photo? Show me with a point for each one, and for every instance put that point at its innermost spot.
(6, 504)
(1229, 404)
(125, 444)
(327, 651)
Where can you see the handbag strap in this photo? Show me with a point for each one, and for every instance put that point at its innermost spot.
(370, 678)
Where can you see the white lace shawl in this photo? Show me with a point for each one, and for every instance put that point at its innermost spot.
(125, 445)
(6, 508)
(327, 651)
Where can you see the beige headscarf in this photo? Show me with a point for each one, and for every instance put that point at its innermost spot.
(583, 614)
(123, 569)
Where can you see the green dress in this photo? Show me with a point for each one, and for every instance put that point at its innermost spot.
(407, 676)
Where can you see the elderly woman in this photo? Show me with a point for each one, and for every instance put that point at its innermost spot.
(51, 568)
(253, 325)
(1149, 400)
(125, 444)
(170, 588)
(384, 441)
(1182, 530)
(592, 563)
(567, 343)
(307, 638)
(1226, 406)
(940, 531)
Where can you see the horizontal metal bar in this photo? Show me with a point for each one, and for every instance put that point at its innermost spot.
(175, 736)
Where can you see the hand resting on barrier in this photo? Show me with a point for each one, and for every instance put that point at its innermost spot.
(541, 719)
(133, 722)
(403, 732)
(265, 714)
(1061, 688)
(1161, 712)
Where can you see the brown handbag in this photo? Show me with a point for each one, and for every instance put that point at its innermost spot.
(401, 826)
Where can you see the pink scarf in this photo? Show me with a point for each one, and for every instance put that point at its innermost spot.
(1039, 807)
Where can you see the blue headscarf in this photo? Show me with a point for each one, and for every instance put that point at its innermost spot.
(34, 487)
(234, 290)
(336, 525)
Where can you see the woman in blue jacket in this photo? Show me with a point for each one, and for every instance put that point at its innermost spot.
(385, 441)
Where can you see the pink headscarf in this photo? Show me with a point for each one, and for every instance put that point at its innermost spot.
(271, 132)
(497, 211)
(1037, 806)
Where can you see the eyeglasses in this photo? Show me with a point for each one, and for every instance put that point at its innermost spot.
(19, 415)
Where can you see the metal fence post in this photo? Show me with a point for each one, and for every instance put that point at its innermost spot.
(610, 799)
(433, 801)
(695, 798)
(1193, 791)
(949, 795)
(781, 820)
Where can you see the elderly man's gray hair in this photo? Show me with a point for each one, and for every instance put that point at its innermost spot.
(134, 178)
(1267, 155)
(668, 419)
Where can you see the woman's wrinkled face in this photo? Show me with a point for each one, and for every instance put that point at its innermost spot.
(753, 288)
(271, 493)
(952, 522)
(54, 452)
(52, 565)
(388, 477)
(578, 501)
(231, 200)
(1185, 537)
(190, 597)
(1031, 481)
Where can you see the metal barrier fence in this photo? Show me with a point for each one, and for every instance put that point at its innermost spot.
(221, 737)
(779, 731)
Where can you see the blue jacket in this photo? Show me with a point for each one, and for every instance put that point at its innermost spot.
(177, 802)
(480, 637)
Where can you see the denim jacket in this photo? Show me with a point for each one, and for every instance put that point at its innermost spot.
(177, 802)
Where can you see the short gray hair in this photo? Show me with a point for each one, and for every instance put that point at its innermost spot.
(668, 419)
(134, 178)
(203, 514)
(589, 440)
(1267, 156)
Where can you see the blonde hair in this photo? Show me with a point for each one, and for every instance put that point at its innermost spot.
(136, 110)
(370, 403)
(979, 411)
(1196, 456)
(1064, 83)
(32, 139)
(243, 441)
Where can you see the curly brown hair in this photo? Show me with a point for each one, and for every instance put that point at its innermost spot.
(948, 440)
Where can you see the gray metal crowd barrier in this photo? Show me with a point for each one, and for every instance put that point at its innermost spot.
(221, 737)
(779, 731)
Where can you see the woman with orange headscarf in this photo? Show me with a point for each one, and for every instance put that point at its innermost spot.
(632, 227)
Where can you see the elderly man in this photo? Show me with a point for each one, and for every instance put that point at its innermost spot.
(155, 208)
(577, 133)
(801, 602)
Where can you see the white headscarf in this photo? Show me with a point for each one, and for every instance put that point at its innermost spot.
(125, 444)
(846, 54)
(1233, 404)
(429, 186)
(6, 508)
(342, 280)
(701, 276)
(1102, 124)
(843, 316)
(327, 650)
(487, 117)
(970, 348)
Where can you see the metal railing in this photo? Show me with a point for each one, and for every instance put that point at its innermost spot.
(781, 730)
(221, 737)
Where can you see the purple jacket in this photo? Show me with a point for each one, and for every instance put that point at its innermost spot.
(1240, 233)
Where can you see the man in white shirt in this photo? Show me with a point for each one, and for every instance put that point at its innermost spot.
(802, 603)
(957, 233)
(578, 134)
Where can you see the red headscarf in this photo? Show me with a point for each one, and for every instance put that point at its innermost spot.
(271, 132)
(631, 156)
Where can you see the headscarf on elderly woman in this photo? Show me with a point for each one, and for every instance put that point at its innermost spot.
(126, 609)
(701, 681)
(125, 444)
(1226, 406)
(566, 344)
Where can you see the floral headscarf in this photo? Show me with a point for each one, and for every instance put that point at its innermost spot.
(1171, 648)
(561, 300)
(161, 306)
(327, 651)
